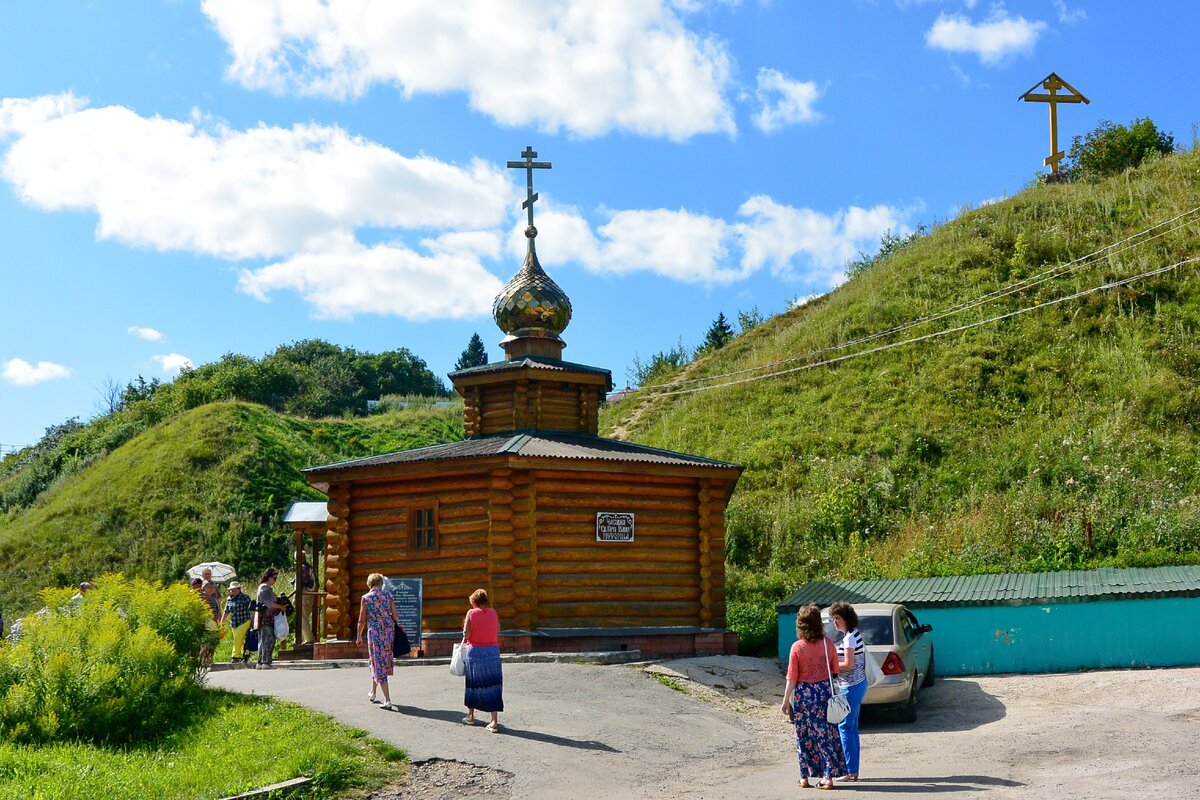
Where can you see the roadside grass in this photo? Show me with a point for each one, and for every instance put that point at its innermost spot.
(225, 744)
(669, 682)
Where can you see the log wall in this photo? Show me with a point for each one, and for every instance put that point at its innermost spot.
(654, 580)
(532, 405)
(379, 541)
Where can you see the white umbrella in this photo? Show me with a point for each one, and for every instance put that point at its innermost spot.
(220, 572)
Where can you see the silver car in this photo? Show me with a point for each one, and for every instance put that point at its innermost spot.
(903, 650)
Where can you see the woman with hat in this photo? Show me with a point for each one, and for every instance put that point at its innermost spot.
(239, 609)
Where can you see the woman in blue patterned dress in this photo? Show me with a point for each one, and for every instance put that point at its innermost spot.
(377, 616)
(812, 661)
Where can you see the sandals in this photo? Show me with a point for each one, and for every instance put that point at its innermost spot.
(470, 721)
(371, 697)
(848, 778)
(804, 784)
(825, 784)
(494, 727)
(390, 707)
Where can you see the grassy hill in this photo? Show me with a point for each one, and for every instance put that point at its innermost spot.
(208, 484)
(1057, 439)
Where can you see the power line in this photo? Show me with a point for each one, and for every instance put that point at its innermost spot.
(936, 334)
(965, 305)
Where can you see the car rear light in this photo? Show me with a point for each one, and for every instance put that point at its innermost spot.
(893, 665)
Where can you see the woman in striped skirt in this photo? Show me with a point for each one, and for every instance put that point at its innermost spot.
(481, 655)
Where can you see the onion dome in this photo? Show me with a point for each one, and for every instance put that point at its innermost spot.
(531, 305)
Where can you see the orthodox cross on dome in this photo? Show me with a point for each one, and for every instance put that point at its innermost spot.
(1052, 84)
(529, 165)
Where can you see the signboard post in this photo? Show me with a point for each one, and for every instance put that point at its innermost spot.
(614, 526)
(407, 594)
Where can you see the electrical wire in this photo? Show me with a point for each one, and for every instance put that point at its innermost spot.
(1058, 271)
(935, 334)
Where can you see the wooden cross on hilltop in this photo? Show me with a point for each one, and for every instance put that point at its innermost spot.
(1053, 84)
(529, 165)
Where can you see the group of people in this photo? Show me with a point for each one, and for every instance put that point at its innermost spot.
(828, 752)
(251, 620)
(378, 623)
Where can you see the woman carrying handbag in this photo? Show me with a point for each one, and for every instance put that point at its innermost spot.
(812, 665)
(481, 661)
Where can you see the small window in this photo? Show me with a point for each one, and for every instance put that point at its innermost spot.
(424, 528)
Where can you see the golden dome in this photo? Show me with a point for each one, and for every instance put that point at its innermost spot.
(531, 304)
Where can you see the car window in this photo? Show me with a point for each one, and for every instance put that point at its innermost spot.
(909, 622)
(876, 629)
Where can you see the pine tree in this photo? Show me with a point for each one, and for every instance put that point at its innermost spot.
(474, 356)
(719, 333)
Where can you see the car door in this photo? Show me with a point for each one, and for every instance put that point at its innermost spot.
(920, 643)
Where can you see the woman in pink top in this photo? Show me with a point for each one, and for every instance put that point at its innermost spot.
(811, 663)
(481, 655)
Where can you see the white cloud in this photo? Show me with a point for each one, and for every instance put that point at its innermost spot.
(1069, 16)
(18, 115)
(994, 40)
(295, 195)
(784, 101)
(263, 192)
(782, 237)
(19, 372)
(794, 243)
(149, 334)
(339, 282)
(172, 362)
(587, 66)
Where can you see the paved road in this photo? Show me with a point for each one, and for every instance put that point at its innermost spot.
(576, 731)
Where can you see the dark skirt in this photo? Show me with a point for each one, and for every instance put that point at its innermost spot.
(485, 683)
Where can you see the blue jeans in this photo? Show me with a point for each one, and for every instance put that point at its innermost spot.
(848, 728)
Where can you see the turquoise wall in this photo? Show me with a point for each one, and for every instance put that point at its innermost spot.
(1058, 637)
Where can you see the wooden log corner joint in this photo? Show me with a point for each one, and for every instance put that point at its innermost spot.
(582, 542)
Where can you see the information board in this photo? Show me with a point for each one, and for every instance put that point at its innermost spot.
(407, 594)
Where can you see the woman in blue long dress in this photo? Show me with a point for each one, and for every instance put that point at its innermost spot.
(481, 656)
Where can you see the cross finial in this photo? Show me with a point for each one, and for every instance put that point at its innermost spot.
(529, 165)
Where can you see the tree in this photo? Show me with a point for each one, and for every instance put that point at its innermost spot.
(720, 333)
(1111, 149)
(749, 320)
(474, 356)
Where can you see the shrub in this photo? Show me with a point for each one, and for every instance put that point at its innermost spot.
(756, 625)
(1111, 149)
(113, 666)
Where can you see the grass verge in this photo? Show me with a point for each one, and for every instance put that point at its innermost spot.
(227, 743)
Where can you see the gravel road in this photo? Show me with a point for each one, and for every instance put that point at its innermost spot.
(710, 728)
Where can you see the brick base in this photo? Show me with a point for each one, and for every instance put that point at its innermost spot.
(664, 643)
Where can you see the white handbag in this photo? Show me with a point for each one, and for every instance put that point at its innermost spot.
(838, 707)
(458, 666)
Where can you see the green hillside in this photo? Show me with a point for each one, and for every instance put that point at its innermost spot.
(209, 483)
(1057, 439)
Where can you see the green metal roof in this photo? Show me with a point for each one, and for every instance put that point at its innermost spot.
(1012, 589)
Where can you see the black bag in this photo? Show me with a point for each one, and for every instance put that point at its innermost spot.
(251, 642)
(400, 644)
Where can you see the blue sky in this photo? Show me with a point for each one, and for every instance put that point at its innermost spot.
(182, 179)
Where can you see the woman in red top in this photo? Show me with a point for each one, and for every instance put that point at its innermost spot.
(811, 663)
(481, 656)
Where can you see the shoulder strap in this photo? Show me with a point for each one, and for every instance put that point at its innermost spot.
(825, 657)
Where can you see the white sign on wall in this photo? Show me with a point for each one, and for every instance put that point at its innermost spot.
(614, 526)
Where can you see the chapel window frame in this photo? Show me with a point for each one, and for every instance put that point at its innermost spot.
(424, 535)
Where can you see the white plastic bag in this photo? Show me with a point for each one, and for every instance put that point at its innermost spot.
(874, 673)
(458, 666)
(281, 627)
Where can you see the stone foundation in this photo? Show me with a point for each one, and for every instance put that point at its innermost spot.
(653, 643)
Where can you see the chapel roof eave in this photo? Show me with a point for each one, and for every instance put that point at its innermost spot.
(550, 366)
(525, 449)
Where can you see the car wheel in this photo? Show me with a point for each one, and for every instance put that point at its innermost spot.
(930, 676)
(908, 712)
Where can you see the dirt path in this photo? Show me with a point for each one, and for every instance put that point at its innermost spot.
(710, 728)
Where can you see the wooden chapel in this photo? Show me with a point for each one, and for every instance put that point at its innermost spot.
(583, 543)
